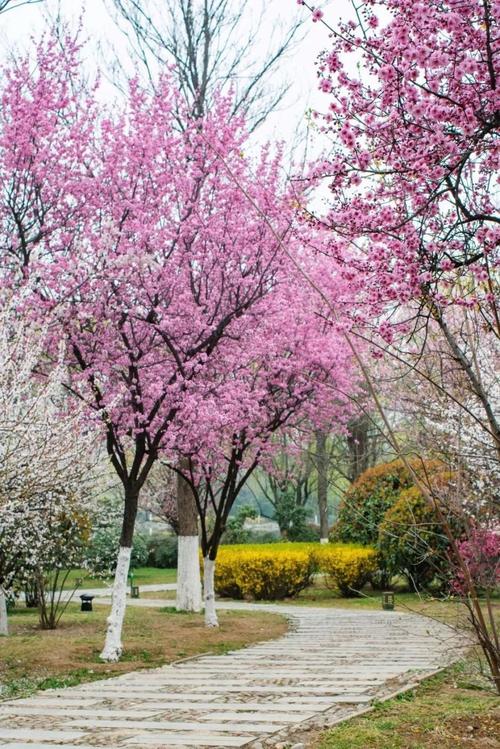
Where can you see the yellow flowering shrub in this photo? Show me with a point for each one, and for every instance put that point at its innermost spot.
(263, 572)
(347, 567)
(282, 570)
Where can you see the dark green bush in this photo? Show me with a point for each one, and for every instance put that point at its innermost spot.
(102, 549)
(304, 533)
(366, 503)
(235, 532)
(162, 551)
(367, 500)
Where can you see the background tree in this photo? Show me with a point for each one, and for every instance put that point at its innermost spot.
(321, 455)
(415, 128)
(363, 442)
(286, 481)
(213, 45)
(159, 495)
(292, 480)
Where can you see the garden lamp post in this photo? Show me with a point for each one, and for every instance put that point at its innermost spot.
(134, 589)
(388, 600)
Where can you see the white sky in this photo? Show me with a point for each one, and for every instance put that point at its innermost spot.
(17, 26)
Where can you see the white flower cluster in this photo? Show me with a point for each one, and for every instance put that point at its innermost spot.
(46, 457)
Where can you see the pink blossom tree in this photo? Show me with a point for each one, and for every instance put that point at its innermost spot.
(290, 366)
(139, 240)
(208, 45)
(416, 154)
(482, 554)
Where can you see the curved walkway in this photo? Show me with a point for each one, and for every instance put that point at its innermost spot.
(330, 666)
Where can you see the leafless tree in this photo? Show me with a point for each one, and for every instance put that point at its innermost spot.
(6, 5)
(212, 44)
(287, 481)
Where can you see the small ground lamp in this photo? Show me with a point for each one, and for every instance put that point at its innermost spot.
(388, 600)
(86, 602)
(134, 589)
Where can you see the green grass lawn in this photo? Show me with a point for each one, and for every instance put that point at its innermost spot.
(142, 576)
(31, 658)
(445, 712)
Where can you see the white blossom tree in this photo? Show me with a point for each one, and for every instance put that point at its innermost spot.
(46, 458)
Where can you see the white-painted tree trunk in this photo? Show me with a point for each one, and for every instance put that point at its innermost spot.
(4, 622)
(323, 540)
(209, 593)
(113, 646)
(188, 596)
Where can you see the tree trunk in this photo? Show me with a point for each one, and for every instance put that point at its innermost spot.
(32, 594)
(322, 469)
(113, 647)
(209, 593)
(4, 622)
(358, 446)
(188, 575)
(188, 564)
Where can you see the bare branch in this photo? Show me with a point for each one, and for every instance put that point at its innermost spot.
(212, 45)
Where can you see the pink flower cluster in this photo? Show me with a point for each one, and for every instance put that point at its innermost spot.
(413, 111)
(481, 555)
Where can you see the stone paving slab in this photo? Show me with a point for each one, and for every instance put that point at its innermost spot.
(54, 700)
(35, 734)
(163, 725)
(64, 713)
(259, 717)
(330, 662)
(202, 739)
(260, 685)
(38, 745)
(49, 707)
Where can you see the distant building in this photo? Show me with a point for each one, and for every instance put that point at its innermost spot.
(261, 525)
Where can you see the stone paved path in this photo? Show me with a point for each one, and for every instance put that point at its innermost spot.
(73, 595)
(331, 664)
(105, 592)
